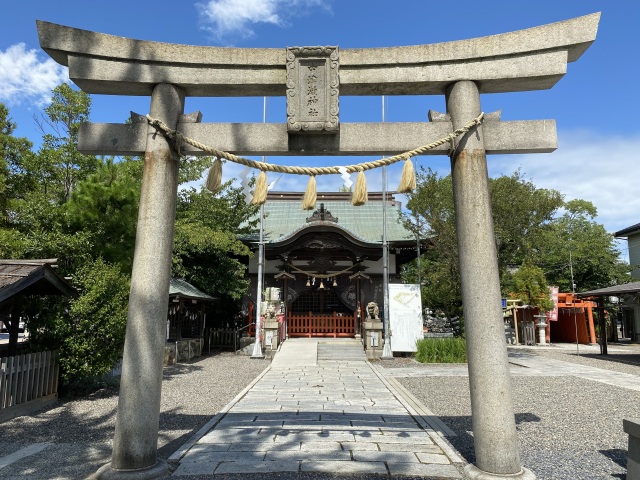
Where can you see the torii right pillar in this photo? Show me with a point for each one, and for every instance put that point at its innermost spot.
(494, 427)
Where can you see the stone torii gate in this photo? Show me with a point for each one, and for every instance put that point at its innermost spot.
(532, 59)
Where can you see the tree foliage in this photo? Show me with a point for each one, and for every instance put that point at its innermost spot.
(89, 330)
(577, 246)
(105, 206)
(62, 166)
(530, 229)
(207, 251)
(83, 210)
(529, 284)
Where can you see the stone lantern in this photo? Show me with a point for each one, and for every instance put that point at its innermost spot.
(542, 325)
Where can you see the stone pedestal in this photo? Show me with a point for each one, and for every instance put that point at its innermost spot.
(632, 428)
(373, 338)
(542, 333)
(270, 336)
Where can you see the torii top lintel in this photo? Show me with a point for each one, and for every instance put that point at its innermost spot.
(531, 59)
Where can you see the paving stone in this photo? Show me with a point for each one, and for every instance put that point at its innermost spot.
(308, 454)
(257, 467)
(433, 458)
(210, 447)
(377, 456)
(327, 446)
(202, 457)
(401, 447)
(424, 470)
(360, 446)
(426, 440)
(330, 419)
(346, 467)
(255, 446)
(191, 468)
(314, 437)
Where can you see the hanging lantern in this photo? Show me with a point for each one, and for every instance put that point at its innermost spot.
(308, 282)
(335, 284)
(321, 287)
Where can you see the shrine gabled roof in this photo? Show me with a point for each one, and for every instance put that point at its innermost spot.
(183, 289)
(284, 218)
(31, 277)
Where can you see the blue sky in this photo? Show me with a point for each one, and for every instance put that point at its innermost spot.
(595, 105)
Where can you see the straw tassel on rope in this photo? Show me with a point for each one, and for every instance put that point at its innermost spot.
(408, 178)
(359, 196)
(260, 193)
(214, 178)
(310, 196)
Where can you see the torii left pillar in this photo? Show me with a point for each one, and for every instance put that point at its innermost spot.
(137, 421)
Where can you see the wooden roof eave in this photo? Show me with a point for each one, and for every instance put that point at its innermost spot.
(53, 285)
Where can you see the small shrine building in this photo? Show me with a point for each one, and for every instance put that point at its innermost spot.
(328, 263)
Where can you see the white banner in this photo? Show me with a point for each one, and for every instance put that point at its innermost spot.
(405, 316)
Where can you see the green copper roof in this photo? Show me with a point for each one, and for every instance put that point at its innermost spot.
(285, 217)
(183, 289)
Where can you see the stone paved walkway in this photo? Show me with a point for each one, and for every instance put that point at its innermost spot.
(331, 417)
(524, 363)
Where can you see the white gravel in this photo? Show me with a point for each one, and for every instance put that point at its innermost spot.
(568, 427)
(81, 430)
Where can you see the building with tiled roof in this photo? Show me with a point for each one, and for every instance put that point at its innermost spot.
(330, 261)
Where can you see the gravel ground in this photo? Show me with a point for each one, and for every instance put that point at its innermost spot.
(568, 428)
(81, 430)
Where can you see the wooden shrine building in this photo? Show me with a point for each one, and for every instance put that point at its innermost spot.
(328, 262)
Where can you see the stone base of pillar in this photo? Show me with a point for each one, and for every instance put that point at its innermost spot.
(474, 473)
(159, 470)
(631, 427)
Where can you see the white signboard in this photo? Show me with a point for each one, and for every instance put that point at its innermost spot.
(405, 316)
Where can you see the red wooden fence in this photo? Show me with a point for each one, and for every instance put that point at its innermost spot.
(321, 325)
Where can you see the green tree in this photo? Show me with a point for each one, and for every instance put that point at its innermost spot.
(577, 242)
(528, 230)
(521, 214)
(14, 152)
(105, 207)
(89, 330)
(60, 166)
(516, 224)
(432, 217)
(529, 284)
(207, 251)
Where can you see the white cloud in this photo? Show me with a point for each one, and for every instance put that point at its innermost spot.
(225, 17)
(604, 170)
(23, 77)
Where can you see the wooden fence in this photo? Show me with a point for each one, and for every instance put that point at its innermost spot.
(223, 337)
(321, 325)
(27, 382)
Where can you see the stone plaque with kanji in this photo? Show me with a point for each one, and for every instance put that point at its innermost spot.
(312, 89)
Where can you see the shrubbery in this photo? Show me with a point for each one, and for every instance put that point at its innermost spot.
(441, 350)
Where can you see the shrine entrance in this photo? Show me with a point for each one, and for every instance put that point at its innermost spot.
(328, 263)
(312, 79)
(321, 313)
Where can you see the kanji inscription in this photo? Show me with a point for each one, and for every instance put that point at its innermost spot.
(312, 89)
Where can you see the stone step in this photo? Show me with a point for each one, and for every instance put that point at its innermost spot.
(344, 351)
